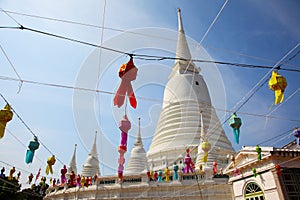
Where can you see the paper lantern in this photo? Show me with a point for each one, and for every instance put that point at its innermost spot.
(277, 83)
(5, 116)
(235, 123)
(127, 73)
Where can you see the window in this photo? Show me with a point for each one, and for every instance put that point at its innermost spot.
(196, 82)
(253, 192)
(291, 182)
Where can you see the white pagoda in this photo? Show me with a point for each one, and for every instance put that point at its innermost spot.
(91, 166)
(185, 97)
(137, 162)
(72, 166)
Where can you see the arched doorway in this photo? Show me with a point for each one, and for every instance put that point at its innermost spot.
(253, 192)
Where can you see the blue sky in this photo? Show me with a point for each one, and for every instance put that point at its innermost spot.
(249, 32)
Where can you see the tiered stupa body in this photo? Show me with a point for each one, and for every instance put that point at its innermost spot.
(137, 162)
(91, 166)
(185, 97)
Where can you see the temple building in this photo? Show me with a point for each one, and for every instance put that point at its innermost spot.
(187, 121)
(275, 175)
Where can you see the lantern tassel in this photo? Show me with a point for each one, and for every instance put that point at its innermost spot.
(235, 123)
(29, 156)
(279, 96)
(205, 157)
(236, 133)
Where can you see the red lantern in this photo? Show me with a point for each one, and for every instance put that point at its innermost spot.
(127, 73)
(278, 169)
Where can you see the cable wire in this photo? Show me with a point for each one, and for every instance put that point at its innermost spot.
(9, 61)
(286, 100)
(126, 31)
(13, 67)
(10, 17)
(273, 138)
(147, 56)
(23, 170)
(213, 22)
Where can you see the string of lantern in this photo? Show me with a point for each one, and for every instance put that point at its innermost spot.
(5, 78)
(14, 136)
(277, 83)
(32, 147)
(24, 170)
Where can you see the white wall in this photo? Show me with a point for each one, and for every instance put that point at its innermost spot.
(265, 181)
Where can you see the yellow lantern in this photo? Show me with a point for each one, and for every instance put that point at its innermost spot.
(5, 116)
(277, 83)
(50, 162)
(205, 147)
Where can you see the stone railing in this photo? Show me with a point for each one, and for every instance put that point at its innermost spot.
(143, 178)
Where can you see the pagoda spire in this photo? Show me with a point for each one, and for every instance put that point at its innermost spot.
(91, 166)
(94, 147)
(72, 165)
(182, 50)
(138, 141)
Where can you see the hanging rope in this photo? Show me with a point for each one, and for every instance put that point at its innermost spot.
(13, 67)
(99, 69)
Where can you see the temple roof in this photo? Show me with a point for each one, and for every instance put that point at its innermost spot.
(247, 156)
